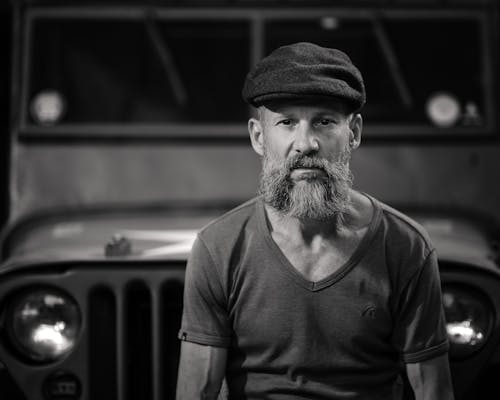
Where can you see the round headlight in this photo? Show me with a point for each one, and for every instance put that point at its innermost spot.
(443, 109)
(468, 320)
(43, 324)
(48, 107)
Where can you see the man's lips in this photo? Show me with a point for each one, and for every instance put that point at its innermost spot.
(306, 173)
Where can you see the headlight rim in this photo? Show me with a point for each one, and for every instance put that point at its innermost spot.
(461, 351)
(14, 299)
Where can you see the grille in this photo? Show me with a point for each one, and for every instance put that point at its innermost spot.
(128, 348)
(133, 350)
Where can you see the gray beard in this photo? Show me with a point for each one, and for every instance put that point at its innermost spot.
(321, 198)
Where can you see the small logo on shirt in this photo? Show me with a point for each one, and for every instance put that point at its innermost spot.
(370, 311)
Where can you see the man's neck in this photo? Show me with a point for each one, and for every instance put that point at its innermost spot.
(357, 216)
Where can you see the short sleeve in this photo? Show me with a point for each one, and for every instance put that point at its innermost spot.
(205, 317)
(420, 326)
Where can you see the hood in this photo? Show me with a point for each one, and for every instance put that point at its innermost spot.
(161, 234)
(168, 234)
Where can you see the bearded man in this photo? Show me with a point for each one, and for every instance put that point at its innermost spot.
(312, 290)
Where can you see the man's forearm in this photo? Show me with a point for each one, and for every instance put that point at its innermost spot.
(431, 379)
(201, 372)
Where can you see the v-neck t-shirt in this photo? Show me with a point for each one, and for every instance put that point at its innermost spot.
(346, 336)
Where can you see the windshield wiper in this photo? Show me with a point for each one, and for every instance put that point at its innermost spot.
(392, 61)
(166, 58)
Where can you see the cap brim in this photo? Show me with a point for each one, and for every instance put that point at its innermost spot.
(267, 98)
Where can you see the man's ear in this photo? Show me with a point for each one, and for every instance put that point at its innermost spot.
(356, 126)
(256, 135)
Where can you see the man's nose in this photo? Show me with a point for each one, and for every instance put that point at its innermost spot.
(305, 141)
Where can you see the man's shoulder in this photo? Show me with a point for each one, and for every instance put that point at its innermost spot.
(231, 222)
(402, 226)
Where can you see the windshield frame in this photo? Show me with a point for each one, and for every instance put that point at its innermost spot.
(257, 18)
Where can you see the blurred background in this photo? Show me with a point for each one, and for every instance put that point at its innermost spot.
(5, 38)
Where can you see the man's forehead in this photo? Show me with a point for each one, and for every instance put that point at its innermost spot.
(316, 104)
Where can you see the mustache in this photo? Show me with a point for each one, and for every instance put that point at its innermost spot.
(305, 161)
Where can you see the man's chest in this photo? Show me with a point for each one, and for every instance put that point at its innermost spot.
(317, 260)
(273, 315)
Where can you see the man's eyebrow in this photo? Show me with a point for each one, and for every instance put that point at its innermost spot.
(282, 114)
(328, 113)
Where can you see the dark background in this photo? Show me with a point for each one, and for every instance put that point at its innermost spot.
(5, 45)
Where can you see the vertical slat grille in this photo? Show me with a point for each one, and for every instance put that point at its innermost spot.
(171, 314)
(102, 349)
(120, 345)
(156, 337)
(138, 342)
(133, 346)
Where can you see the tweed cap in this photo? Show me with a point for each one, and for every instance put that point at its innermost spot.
(303, 70)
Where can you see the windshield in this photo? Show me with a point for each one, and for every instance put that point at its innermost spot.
(171, 69)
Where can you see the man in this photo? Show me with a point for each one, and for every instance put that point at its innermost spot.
(312, 290)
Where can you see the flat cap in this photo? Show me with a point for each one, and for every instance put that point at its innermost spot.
(304, 70)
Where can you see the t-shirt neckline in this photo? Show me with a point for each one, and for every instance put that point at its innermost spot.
(335, 276)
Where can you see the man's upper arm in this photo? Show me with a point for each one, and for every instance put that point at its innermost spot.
(430, 379)
(201, 371)
(205, 318)
(205, 329)
(421, 334)
(420, 325)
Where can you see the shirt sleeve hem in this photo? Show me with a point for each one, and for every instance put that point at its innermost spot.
(204, 339)
(426, 354)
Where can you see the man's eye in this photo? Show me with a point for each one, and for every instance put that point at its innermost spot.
(325, 121)
(286, 122)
